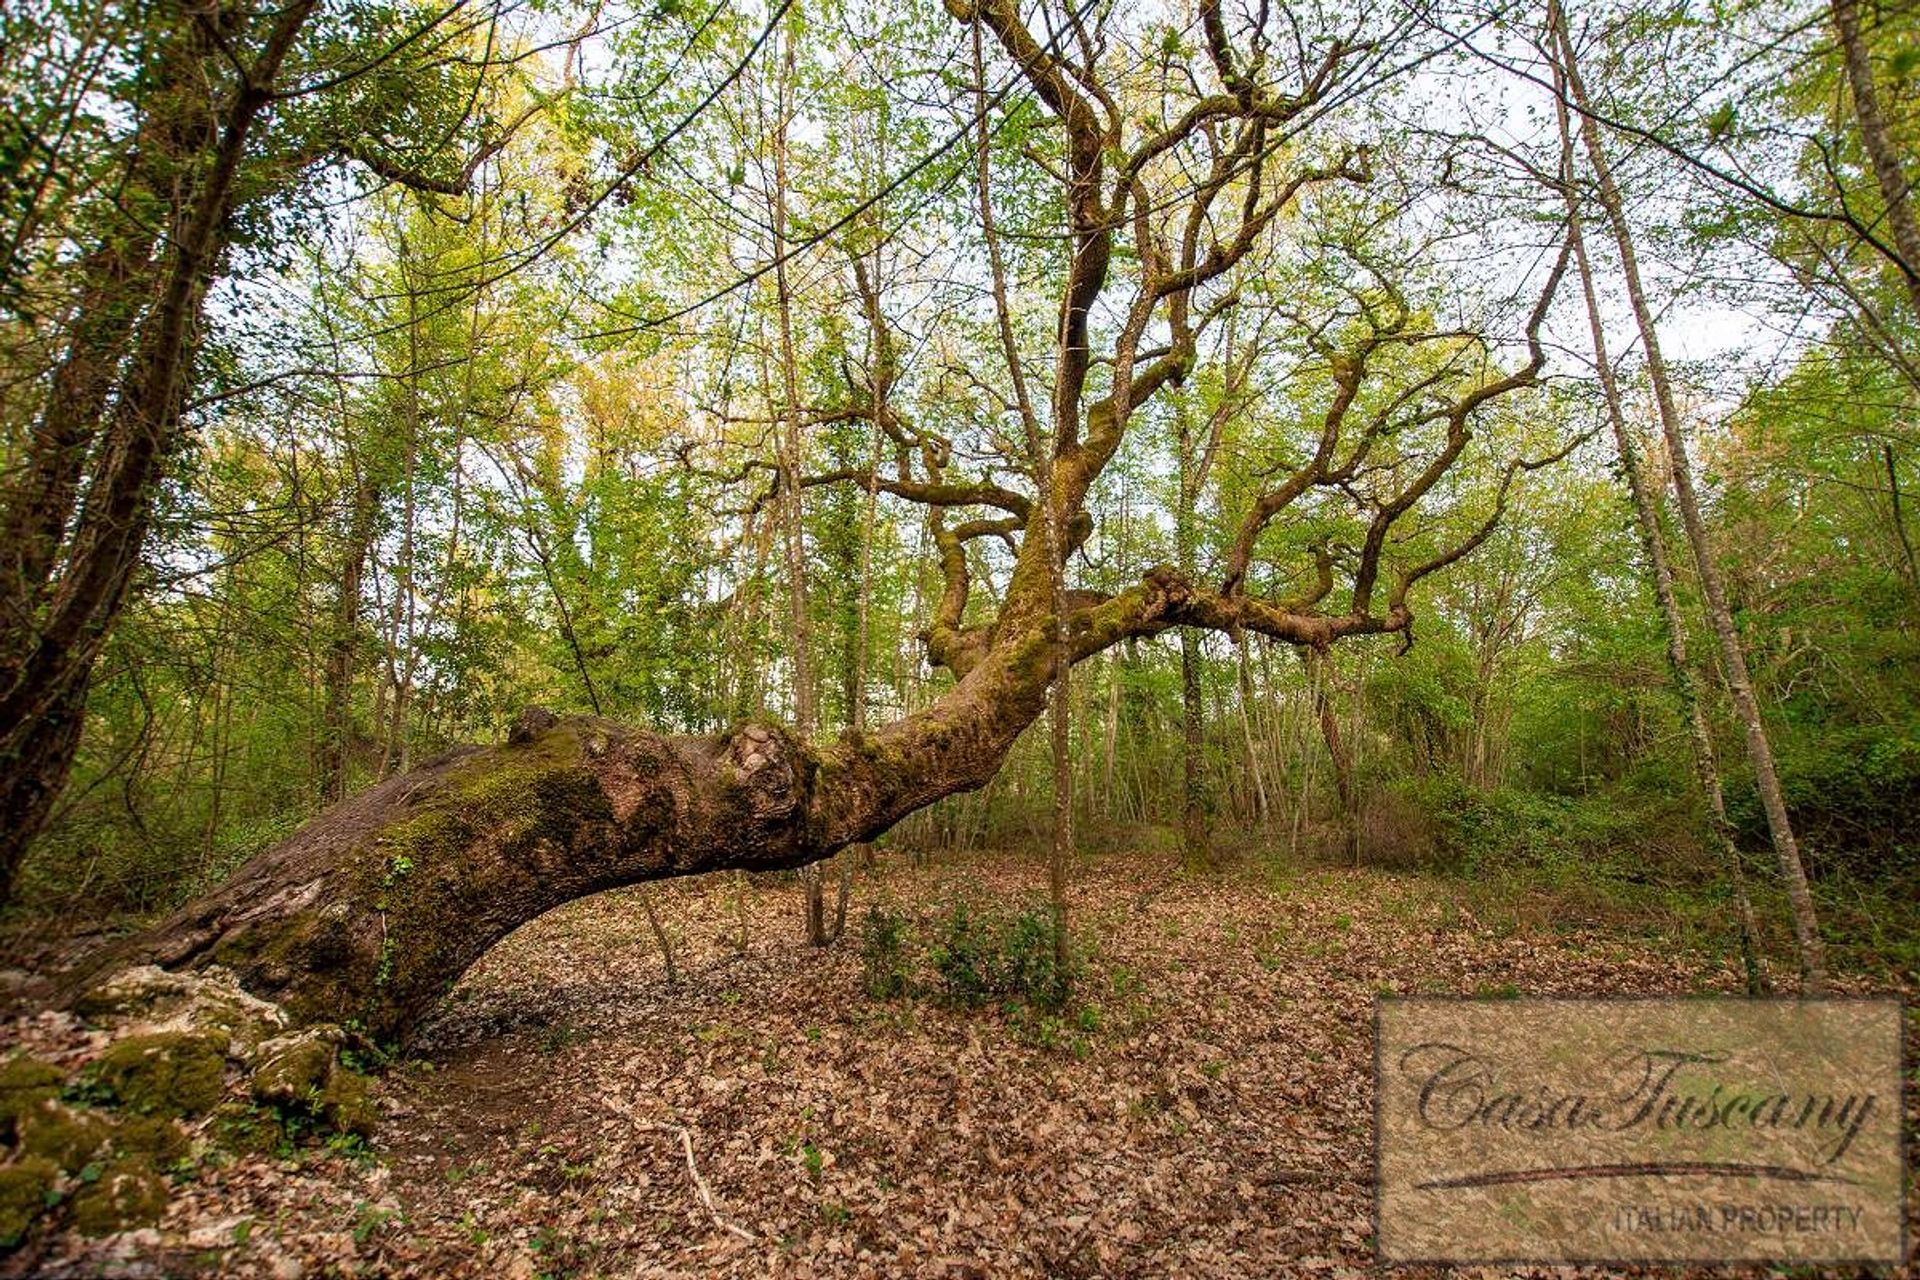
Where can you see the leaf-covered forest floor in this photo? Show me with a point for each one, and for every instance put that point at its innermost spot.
(1203, 1110)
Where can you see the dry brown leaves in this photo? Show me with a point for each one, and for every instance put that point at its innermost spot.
(570, 1114)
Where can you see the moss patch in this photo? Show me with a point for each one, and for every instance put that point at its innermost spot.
(293, 1069)
(130, 1193)
(502, 819)
(347, 1104)
(26, 1189)
(68, 1136)
(159, 1139)
(93, 1151)
(248, 1130)
(302, 1079)
(168, 1074)
(25, 1081)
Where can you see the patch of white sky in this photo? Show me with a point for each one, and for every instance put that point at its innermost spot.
(1717, 312)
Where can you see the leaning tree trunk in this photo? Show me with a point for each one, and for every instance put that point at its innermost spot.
(1706, 765)
(1883, 151)
(371, 913)
(118, 421)
(1733, 656)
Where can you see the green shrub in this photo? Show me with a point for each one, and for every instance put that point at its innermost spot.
(1556, 838)
(886, 962)
(1851, 793)
(1024, 960)
(999, 956)
(961, 956)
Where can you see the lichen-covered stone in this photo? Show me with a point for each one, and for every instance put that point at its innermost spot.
(294, 1069)
(149, 1000)
(68, 1136)
(159, 1139)
(234, 1031)
(174, 1073)
(26, 1186)
(25, 1081)
(347, 1103)
(128, 1193)
(143, 991)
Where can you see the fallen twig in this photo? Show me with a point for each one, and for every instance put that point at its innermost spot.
(693, 1170)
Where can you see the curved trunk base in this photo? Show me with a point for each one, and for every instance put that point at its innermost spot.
(371, 913)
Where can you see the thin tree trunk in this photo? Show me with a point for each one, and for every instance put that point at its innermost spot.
(1877, 140)
(1254, 769)
(1195, 855)
(1900, 521)
(1720, 616)
(1193, 791)
(1320, 668)
(1196, 460)
(792, 457)
(1060, 735)
(338, 710)
(660, 936)
(1303, 792)
(1113, 728)
(1706, 768)
(881, 373)
(397, 758)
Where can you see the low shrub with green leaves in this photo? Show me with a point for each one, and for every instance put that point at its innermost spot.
(980, 956)
(886, 958)
(975, 954)
(1555, 837)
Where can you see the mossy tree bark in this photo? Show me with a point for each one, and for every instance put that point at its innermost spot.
(373, 911)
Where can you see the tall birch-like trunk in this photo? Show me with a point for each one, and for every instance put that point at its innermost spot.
(1706, 768)
(792, 449)
(1876, 139)
(1732, 651)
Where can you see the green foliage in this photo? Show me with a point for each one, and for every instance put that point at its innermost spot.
(1558, 838)
(886, 961)
(1852, 791)
(984, 955)
(973, 955)
(962, 955)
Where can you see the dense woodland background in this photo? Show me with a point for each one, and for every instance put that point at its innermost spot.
(1250, 507)
(522, 311)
